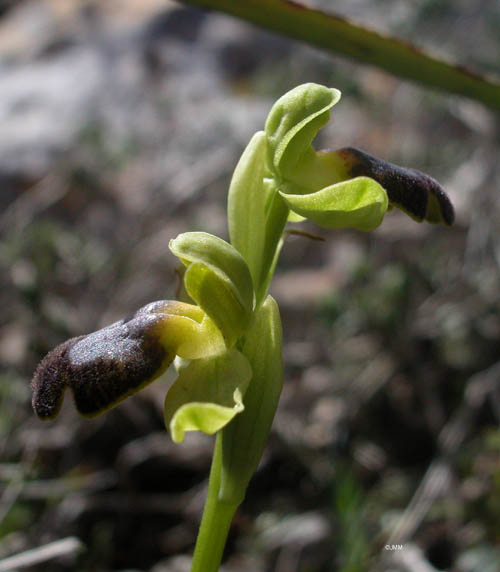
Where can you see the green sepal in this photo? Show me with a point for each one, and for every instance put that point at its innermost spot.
(359, 203)
(244, 439)
(246, 205)
(207, 394)
(293, 123)
(218, 280)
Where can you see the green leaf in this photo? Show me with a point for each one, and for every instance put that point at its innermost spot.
(338, 35)
(293, 123)
(218, 279)
(207, 394)
(359, 203)
(247, 204)
(244, 439)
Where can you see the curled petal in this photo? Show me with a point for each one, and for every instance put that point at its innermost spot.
(293, 123)
(106, 366)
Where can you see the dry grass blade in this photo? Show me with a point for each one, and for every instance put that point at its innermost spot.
(70, 546)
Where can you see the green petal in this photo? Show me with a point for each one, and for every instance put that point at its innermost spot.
(215, 293)
(218, 279)
(207, 394)
(294, 121)
(359, 203)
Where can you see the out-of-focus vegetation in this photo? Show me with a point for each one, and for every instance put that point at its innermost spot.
(120, 126)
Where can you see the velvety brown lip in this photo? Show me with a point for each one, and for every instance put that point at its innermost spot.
(408, 189)
(101, 368)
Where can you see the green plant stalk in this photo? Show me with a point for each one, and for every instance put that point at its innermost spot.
(339, 35)
(216, 520)
(232, 465)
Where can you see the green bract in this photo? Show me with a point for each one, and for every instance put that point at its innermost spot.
(244, 439)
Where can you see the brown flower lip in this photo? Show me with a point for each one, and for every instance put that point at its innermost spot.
(104, 367)
(414, 192)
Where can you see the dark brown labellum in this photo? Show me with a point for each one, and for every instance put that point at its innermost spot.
(414, 192)
(104, 367)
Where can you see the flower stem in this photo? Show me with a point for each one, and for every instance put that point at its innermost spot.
(217, 513)
(216, 520)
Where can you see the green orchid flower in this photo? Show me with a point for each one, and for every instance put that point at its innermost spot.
(225, 343)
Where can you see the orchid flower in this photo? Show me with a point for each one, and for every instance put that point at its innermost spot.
(225, 342)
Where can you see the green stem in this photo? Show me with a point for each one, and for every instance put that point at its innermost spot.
(339, 35)
(216, 520)
(217, 513)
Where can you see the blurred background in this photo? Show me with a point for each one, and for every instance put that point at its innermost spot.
(120, 125)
